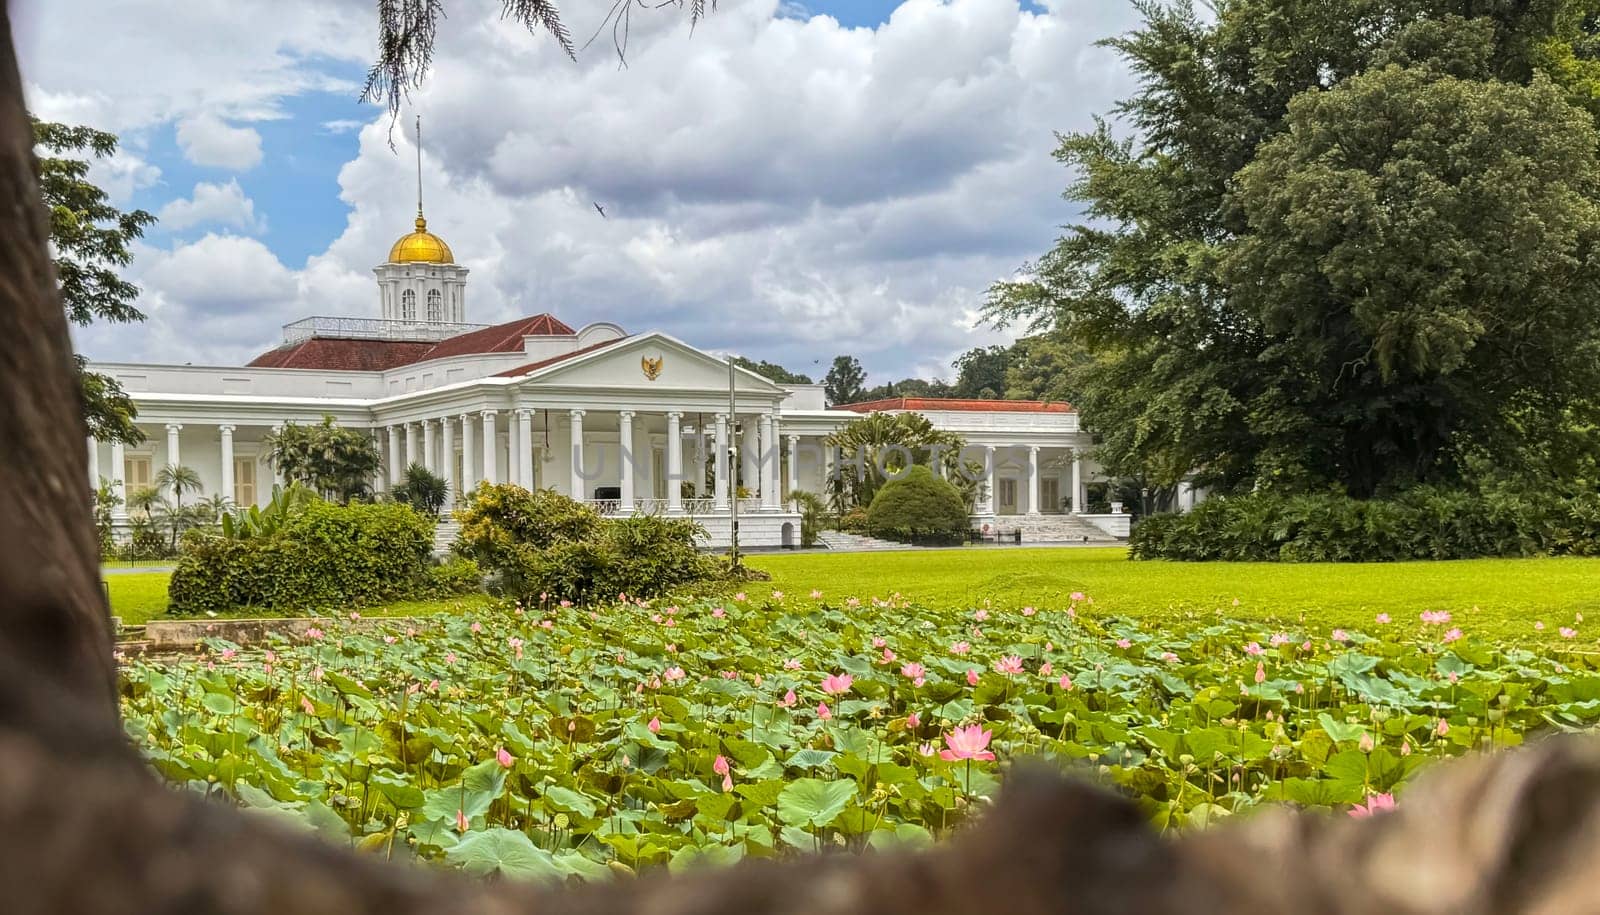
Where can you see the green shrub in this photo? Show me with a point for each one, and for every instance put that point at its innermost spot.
(1423, 523)
(854, 521)
(918, 508)
(543, 545)
(453, 578)
(325, 557)
(813, 512)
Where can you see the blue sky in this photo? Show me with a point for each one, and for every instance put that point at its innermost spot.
(784, 186)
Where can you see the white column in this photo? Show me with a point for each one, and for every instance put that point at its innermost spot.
(625, 458)
(987, 504)
(794, 462)
(719, 495)
(94, 463)
(468, 480)
(1033, 479)
(699, 472)
(411, 447)
(674, 464)
(227, 461)
(578, 484)
(749, 456)
(768, 465)
(447, 461)
(491, 449)
(174, 457)
(396, 459)
(430, 446)
(525, 448)
(119, 483)
(1077, 484)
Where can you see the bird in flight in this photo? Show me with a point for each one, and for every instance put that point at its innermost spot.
(602, 211)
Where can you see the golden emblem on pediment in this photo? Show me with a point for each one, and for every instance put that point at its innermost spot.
(652, 367)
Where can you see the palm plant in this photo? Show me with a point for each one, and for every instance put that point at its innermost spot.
(179, 479)
(214, 507)
(253, 522)
(423, 490)
(142, 501)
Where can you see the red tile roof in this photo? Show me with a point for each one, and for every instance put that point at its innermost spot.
(960, 406)
(341, 355)
(532, 367)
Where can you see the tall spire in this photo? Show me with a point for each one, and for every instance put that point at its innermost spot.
(420, 220)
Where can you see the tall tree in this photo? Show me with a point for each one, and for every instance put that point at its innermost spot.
(1225, 316)
(981, 372)
(91, 240)
(846, 380)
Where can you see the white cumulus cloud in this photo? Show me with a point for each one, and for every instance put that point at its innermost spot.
(213, 204)
(208, 140)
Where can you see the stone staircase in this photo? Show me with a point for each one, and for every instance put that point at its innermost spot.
(1055, 529)
(855, 543)
(444, 534)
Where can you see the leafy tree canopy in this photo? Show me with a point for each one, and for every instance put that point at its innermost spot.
(335, 462)
(90, 240)
(772, 371)
(1349, 241)
(846, 381)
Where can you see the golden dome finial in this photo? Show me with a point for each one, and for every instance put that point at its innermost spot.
(421, 246)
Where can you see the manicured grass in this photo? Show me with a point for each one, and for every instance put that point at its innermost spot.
(1499, 598)
(138, 597)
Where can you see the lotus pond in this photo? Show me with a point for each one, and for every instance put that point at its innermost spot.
(558, 742)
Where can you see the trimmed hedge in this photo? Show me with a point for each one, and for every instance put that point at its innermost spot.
(545, 545)
(325, 557)
(1424, 523)
(919, 508)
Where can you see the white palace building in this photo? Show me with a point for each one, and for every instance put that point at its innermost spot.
(541, 404)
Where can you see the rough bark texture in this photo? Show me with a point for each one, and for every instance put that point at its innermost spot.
(85, 828)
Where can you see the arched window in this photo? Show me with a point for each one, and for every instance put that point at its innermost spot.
(408, 305)
(435, 305)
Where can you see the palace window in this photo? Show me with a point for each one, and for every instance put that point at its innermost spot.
(244, 482)
(435, 305)
(408, 305)
(136, 473)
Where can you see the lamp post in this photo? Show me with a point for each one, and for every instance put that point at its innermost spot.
(733, 475)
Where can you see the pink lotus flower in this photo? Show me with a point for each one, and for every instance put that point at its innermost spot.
(970, 742)
(1383, 619)
(1065, 682)
(972, 676)
(852, 602)
(1124, 643)
(718, 613)
(720, 765)
(1437, 617)
(739, 597)
(313, 633)
(888, 656)
(1567, 632)
(823, 711)
(815, 594)
(461, 821)
(789, 699)
(1077, 597)
(1261, 672)
(1442, 728)
(228, 654)
(1366, 743)
(1169, 657)
(926, 749)
(654, 726)
(777, 595)
(504, 758)
(1376, 803)
(960, 648)
(913, 671)
(1452, 635)
(673, 674)
(1538, 626)
(727, 783)
(1008, 665)
(1254, 649)
(913, 720)
(307, 706)
(476, 626)
(1278, 638)
(354, 616)
(981, 615)
(1046, 669)
(389, 640)
(450, 657)
(791, 664)
(879, 642)
(1339, 635)
(834, 684)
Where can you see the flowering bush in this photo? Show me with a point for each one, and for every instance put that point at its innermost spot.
(555, 741)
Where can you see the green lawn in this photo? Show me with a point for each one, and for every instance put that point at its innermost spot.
(1487, 597)
(138, 597)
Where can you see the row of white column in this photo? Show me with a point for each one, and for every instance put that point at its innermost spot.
(986, 505)
(436, 449)
(173, 458)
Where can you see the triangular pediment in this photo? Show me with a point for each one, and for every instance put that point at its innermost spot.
(649, 361)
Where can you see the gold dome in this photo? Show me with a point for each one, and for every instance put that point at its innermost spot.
(421, 247)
